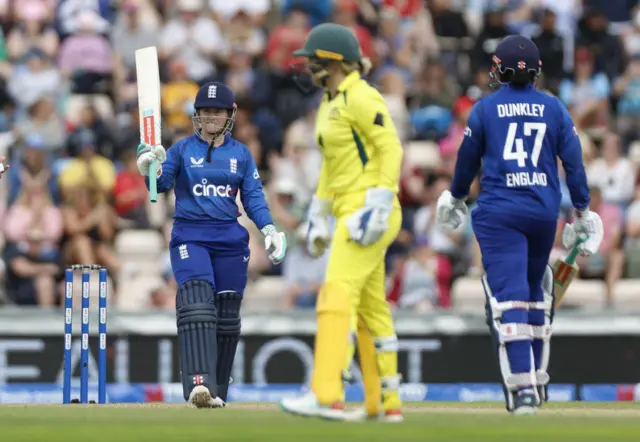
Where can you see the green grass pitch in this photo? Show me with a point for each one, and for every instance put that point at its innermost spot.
(430, 422)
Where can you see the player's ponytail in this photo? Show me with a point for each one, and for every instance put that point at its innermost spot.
(364, 65)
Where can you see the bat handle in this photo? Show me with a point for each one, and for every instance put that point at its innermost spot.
(573, 253)
(153, 184)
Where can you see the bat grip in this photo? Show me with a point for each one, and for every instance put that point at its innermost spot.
(153, 183)
(573, 253)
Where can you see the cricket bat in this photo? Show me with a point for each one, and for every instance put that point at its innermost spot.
(564, 270)
(148, 78)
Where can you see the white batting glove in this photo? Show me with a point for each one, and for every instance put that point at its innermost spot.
(146, 154)
(275, 243)
(318, 234)
(369, 223)
(589, 223)
(450, 212)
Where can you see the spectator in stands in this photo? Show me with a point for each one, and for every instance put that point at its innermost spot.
(32, 30)
(551, 46)
(226, 10)
(587, 94)
(303, 277)
(32, 270)
(250, 85)
(43, 121)
(178, 95)
(493, 31)
(393, 49)
(613, 174)
(418, 290)
(130, 193)
(632, 234)
(421, 282)
(608, 263)
(286, 38)
(34, 211)
(241, 33)
(88, 170)
(31, 170)
(606, 48)
(445, 243)
(394, 90)
(431, 102)
(130, 33)
(89, 226)
(37, 79)
(86, 57)
(301, 161)
(345, 13)
(194, 38)
(450, 144)
(318, 11)
(627, 90)
(631, 36)
(99, 129)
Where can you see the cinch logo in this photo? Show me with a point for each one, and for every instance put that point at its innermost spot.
(205, 189)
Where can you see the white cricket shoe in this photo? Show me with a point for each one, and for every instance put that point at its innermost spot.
(388, 416)
(307, 405)
(525, 403)
(200, 397)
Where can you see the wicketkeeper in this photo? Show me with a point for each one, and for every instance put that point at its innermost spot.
(358, 185)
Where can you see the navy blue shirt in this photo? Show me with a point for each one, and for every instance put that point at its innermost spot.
(516, 136)
(206, 191)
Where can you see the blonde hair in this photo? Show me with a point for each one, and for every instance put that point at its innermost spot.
(364, 66)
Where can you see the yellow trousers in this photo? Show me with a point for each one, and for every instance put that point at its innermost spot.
(353, 300)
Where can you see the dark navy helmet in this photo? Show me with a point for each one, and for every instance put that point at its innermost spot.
(214, 96)
(516, 61)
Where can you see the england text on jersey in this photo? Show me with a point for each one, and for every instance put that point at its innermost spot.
(522, 179)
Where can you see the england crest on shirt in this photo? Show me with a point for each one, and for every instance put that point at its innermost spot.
(233, 165)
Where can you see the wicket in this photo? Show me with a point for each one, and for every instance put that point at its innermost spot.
(102, 333)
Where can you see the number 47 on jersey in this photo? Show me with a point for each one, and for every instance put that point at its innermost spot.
(514, 147)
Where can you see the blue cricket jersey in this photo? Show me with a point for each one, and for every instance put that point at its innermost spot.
(206, 191)
(516, 135)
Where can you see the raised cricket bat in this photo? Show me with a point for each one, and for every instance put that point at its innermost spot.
(148, 78)
(564, 270)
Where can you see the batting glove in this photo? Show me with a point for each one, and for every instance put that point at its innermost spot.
(450, 212)
(318, 233)
(275, 243)
(589, 223)
(146, 154)
(369, 223)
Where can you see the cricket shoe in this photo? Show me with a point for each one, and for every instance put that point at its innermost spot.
(525, 403)
(200, 397)
(387, 416)
(308, 406)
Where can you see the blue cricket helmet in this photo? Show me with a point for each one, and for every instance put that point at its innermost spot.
(516, 61)
(214, 95)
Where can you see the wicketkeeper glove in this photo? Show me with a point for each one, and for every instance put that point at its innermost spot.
(450, 212)
(146, 154)
(587, 222)
(318, 233)
(369, 223)
(275, 243)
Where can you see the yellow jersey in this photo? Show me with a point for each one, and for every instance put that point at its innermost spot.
(359, 143)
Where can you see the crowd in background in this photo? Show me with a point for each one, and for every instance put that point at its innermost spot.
(69, 123)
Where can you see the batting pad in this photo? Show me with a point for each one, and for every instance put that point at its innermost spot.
(541, 320)
(228, 306)
(197, 327)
